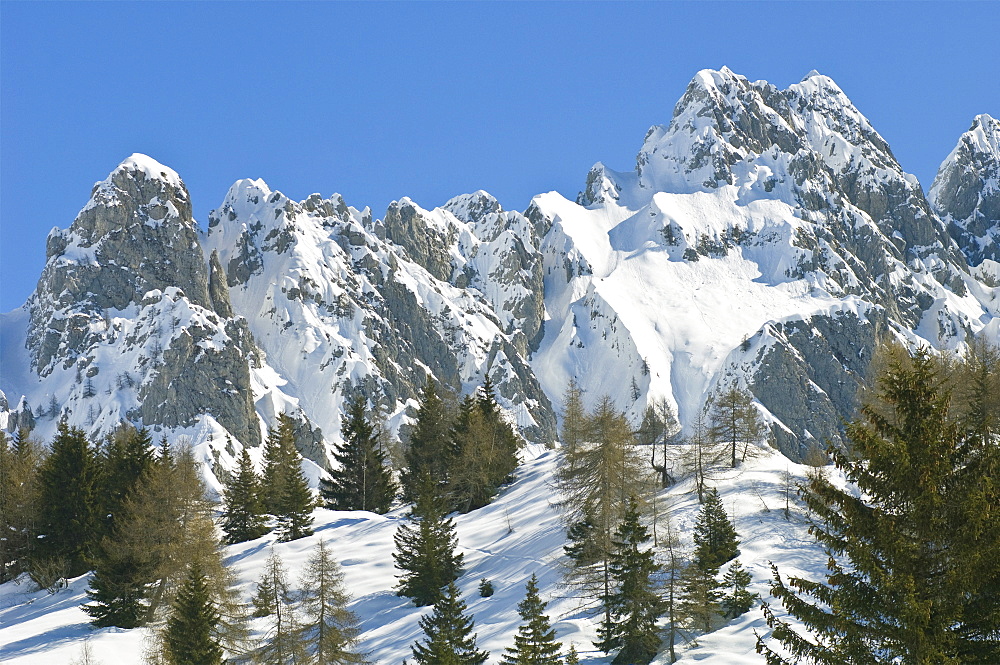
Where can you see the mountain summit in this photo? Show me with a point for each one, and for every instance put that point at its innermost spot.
(765, 238)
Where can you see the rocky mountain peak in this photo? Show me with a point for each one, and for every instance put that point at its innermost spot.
(966, 191)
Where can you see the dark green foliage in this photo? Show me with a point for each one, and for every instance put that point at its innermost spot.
(362, 479)
(20, 459)
(118, 588)
(485, 588)
(582, 546)
(425, 548)
(243, 512)
(430, 451)
(68, 505)
(189, 637)
(127, 457)
(715, 539)
(634, 604)
(701, 596)
(913, 573)
(737, 600)
(535, 642)
(286, 493)
(484, 451)
(449, 637)
(572, 658)
(329, 629)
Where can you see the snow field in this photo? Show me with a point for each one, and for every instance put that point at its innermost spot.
(520, 534)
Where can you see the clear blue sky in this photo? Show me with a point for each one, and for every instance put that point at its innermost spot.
(426, 100)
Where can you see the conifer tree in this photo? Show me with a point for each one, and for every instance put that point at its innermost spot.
(575, 423)
(715, 538)
(127, 457)
(535, 642)
(280, 457)
(449, 637)
(328, 628)
(484, 451)
(425, 548)
(283, 643)
(430, 451)
(704, 453)
(362, 479)
(673, 569)
(68, 505)
(189, 637)
(243, 511)
(701, 596)
(20, 459)
(737, 423)
(118, 588)
(297, 502)
(572, 658)
(737, 600)
(908, 581)
(606, 471)
(634, 606)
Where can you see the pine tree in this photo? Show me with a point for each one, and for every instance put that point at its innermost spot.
(67, 502)
(572, 658)
(449, 637)
(362, 479)
(127, 457)
(597, 482)
(484, 451)
(295, 519)
(736, 422)
(283, 643)
(575, 423)
(243, 512)
(118, 589)
(189, 638)
(909, 580)
(701, 596)
(634, 606)
(20, 460)
(715, 538)
(327, 625)
(737, 600)
(535, 642)
(430, 451)
(425, 548)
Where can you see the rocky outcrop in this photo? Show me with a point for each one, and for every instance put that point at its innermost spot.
(966, 191)
(126, 308)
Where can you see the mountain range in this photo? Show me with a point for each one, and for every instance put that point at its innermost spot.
(766, 239)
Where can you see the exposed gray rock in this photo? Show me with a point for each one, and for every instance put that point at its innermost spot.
(966, 191)
(424, 244)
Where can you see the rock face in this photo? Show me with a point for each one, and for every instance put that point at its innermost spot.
(766, 238)
(341, 302)
(124, 324)
(966, 191)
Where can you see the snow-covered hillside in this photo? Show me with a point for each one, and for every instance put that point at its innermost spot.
(519, 535)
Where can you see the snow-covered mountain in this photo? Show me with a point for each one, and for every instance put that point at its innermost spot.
(765, 237)
(966, 191)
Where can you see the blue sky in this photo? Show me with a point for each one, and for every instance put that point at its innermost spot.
(427, 100)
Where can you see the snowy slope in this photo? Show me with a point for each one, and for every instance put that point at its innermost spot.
(520, 534)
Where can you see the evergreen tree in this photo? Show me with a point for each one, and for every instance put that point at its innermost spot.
(362, 479)
(127, 456)
(701, 596)
(597, 482)
(425, 548)
(484, 451)
(283, 643)
(535, 642)
(20, 459)
(430, 451)
(449, 637)
(295, 510)
(736, 422)
(572, 658)
(328, 627)
(909, 580)
(715, 538)
(68, 504)
(118, 588)
(634, 605)
(189, 638)
(737, 600)
(243, 512)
